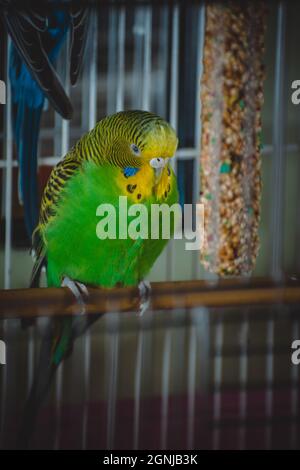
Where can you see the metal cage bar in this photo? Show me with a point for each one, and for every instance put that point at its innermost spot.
(8, 185)
(278, 145)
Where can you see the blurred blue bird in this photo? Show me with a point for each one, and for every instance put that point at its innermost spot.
(38, 34)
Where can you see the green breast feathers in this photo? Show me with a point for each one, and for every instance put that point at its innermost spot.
(73, 247)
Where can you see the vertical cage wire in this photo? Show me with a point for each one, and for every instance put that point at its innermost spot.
(174, 70)
(89, 118)
(165, 388)
(294, 391)
(178, 345)
(198, 123)
(8, 181)
(159, 89)
(111, 67)
(201, 318)
(142, 61)
(269, 381)
(121, 60)
(191, 386)
(30, 358)
(198, 366)
(147, 60)
(58, 406)
(112, 357)
(243, 376)
(142, 373)
(138, 31)
(173, 115)
(86, 369)
(137, 385)
(217, 382)
(278, 166)
(89, 80)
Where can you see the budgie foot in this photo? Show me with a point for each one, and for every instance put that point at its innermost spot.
(79, 290)
(145, 291)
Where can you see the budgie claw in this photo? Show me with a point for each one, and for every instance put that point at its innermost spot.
(77, 288)
(83, 288)
(145, 291)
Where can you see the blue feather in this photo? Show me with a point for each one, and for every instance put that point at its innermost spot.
(130, 171)
(27, 102)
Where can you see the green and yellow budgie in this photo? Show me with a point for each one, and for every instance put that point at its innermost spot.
(114, 159)
(126, 154)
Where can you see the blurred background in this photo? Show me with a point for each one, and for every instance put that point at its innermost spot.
(182, 378)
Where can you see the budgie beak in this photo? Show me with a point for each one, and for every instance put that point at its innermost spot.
(158, 164)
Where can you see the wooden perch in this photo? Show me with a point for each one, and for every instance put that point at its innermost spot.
(20, 303)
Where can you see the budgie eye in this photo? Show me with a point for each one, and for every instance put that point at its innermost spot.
(135, 150)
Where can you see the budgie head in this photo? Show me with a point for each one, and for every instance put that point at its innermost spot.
(136, 138)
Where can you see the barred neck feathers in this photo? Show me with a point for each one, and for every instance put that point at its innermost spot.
(88, 148)
(100, 146)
